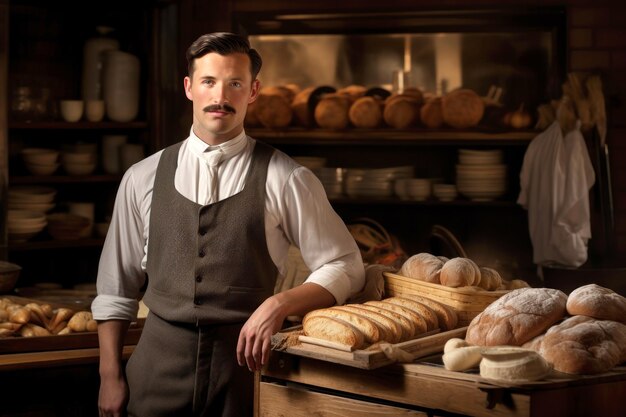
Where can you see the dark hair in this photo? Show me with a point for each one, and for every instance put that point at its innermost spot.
(223, 43)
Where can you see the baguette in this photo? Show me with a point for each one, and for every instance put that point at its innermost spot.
(407, 327)
(446, 316)
(422, 309)
(418, 321)
(366, 326)
(393, 329)
(334, 330)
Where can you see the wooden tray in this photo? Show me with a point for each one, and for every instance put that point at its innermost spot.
(83, 340)
(368, 359)
(468, 302)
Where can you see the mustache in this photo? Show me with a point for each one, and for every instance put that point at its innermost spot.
(220, 107)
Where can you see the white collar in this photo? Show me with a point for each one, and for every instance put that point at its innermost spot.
(214, 154)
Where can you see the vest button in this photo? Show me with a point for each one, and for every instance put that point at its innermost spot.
(201, 254)
(198, 278)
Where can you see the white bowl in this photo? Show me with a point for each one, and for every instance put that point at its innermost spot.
(42, 169)
(41, 156)
(79, 169)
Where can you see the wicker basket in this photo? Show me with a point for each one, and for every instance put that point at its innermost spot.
(8, 276)
(468, 302)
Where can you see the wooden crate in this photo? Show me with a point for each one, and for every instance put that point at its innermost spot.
(468, 302)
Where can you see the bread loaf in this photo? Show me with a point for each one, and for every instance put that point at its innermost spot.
(598, 302)
(432, 322)
(422, 266)
(517, 317)
(420, 322)
(366, 326)
(366, 112)
(431, 114)
(273, 110)
(462, 108)
(583, 345)
(490, 279)
(334, 330)
(401, 111)
(407, 327)
(331, 111)
(392, 329)
(300, 106)
(476, 279)
(457, 272)
(447, 318)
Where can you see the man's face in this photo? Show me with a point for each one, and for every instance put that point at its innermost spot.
(220, 90)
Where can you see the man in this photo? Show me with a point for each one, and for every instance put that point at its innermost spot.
(210, 221)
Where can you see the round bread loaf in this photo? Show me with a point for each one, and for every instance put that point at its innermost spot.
(583, 345)
(332, 112)
(457, 272)
(598, 302)
(517, 317)
(477, 273)
(289, 92)
(401, 111)
(300, 107)
(462, 108)
(490, 279)
(366, 112)
(273, 110)
(422, 266)
(414, 92)
(431, 113)
(353, 92)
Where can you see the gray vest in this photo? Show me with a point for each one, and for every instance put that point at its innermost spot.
(208, 264)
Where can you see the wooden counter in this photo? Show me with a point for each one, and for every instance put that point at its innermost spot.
(301, 387)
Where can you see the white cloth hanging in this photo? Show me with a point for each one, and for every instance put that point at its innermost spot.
(555, 180)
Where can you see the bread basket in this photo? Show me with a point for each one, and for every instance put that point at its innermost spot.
(9, 273)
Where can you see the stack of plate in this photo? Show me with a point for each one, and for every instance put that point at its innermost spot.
(481, 175)
(375, 182)
(333, 180)
(39, 199)
(23, 225)
(445, 192)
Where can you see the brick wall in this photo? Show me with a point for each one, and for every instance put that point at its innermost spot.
(597, 42)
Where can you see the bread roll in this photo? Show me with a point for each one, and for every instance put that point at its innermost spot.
(431, 113)
(332, 112)
(300, 106)
(462, 108)
(353, 92)
(453, 344)
(401, 111)
(418, 321)
(583, 345)
(476, 279)
(490, 279)
(334, 330)
(515, 284)
(432, 322)
(598, 302)
(392, 329)
(365, 325)
(462, 359)
(366, 112)
(273, 110)
(517, 317)
(457, 272)
(422, 266)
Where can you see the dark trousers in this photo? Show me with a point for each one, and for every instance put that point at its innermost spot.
(187, 370)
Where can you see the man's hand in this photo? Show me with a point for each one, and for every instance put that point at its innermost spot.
(253, 346)
(113, 387)
(113, 396)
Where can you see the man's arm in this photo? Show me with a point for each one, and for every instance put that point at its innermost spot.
(113, 388)
(253, 346)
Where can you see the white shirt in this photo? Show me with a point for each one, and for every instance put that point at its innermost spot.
(297, 212)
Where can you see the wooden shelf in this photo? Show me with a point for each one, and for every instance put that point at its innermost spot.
(81, 125)
(56, 244)
(64, 179)
(429, 202)
(295, 136)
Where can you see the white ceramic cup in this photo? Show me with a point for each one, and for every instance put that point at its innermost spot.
(94, 110)
(72, 110)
